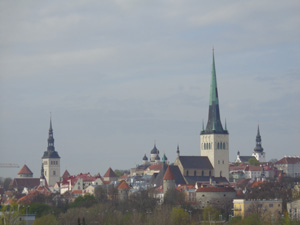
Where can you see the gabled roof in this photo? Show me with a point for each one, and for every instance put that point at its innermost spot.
(25, 170)
(197, 162)
(110, 173)
(168, 174)
(288, 160)
(20, 183)
(66, 174)
(123, 185)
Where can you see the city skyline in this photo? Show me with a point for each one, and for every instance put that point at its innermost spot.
(119, 76)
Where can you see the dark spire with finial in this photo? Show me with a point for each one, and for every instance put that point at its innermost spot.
(50, 153)
(214, 124)
(42, 172)
(258, 147)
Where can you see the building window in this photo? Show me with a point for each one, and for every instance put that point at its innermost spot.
(270, 205)
(218, 145)
(202, 173)
(187, 172)
(223, 161)
(210, 173)
(54, 173)
(218, 161)
(224, 145)
(195, 173)
(45, 172)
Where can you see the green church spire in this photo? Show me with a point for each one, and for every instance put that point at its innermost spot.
(213, 84)
(214, 124)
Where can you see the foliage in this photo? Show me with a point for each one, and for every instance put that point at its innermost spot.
(10, 214)
(223, 205)
(101, 193)
(46, 220)
(174, 197)
(179, 216)
(84, 201)
(271, 190)
(253, 162)
(210, 214)
(40, 209)
(120, 173)
(6, 183)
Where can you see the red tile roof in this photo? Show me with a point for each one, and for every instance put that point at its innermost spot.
(25, 170)
(169, 175)
(110, 173)
(288, 160)
(66, 174)
(123, 185)
(155, 167)
(24, 182)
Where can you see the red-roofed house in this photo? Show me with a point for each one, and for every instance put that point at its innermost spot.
(25, 172)
(289, 165)
(79, 182)
(110, 175)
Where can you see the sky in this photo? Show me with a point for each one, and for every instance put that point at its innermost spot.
(121, 75)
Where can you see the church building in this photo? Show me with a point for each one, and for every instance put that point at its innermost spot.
(214, 139)
(51, 161)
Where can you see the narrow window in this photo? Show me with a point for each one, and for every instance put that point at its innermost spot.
(195, 173)
(202, 173)
(224, 145)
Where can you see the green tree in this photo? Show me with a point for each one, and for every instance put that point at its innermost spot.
(10, 214)
(40, 209)
(46, 220)
(253, 161)
(210, 214)
(101, 193)
(179, 216)
(174, 197)
(84, 201)
(6, 183)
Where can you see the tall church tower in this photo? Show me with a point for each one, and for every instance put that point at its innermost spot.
(259, 153)
(51, 161)
(214, 140)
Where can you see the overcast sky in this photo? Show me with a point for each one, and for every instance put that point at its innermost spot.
(119, 75)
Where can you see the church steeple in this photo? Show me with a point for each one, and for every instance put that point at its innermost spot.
(214, 124)
(258, 147)
(50, 138)
(50, 153)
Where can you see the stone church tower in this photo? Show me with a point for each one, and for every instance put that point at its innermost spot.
(214, 139)
(51, 161)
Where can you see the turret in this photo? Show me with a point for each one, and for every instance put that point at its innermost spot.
(168, 180)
